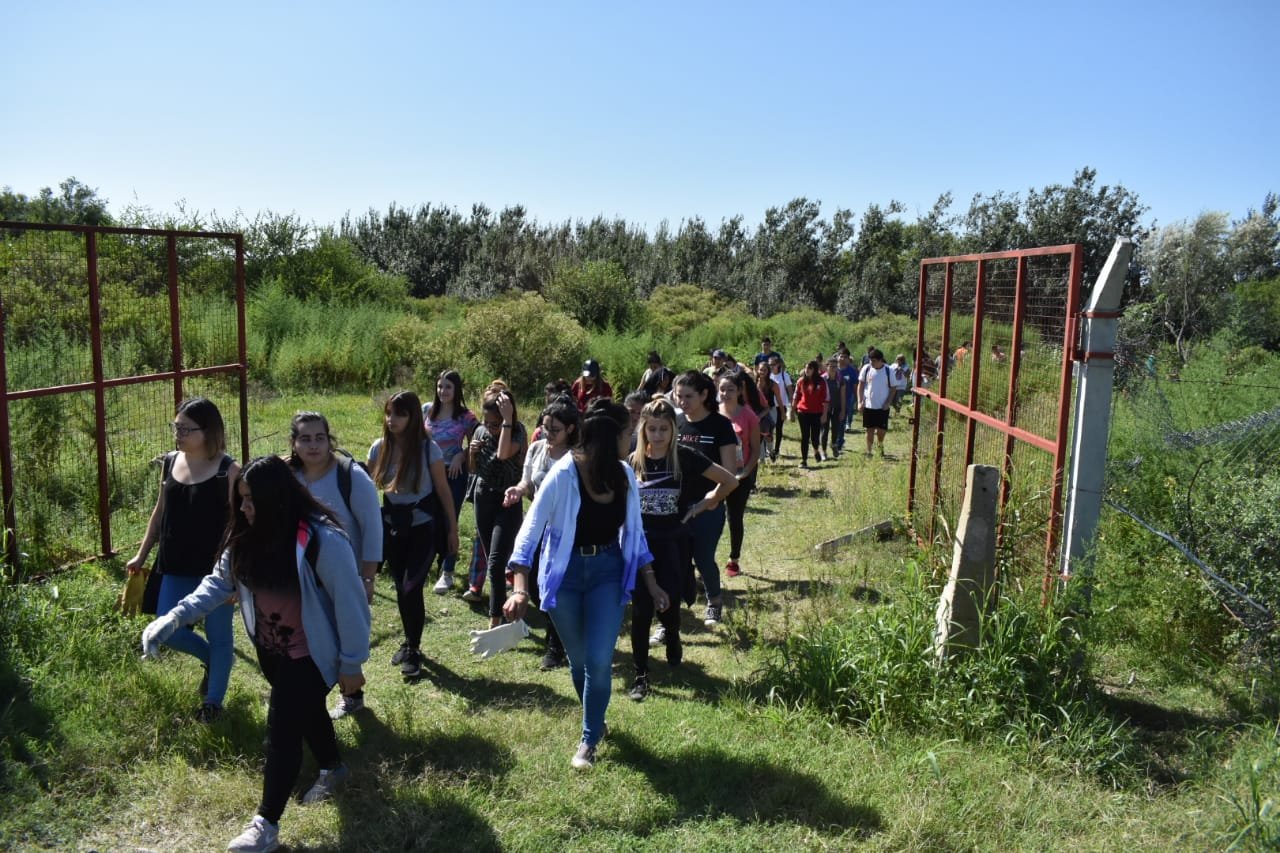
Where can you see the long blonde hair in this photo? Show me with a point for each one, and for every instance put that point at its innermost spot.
(659, 408)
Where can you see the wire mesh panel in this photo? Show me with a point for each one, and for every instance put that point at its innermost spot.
(993, 381)
(104, 331)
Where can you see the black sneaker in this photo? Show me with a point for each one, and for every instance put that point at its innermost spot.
(411, 664)
(640, 689)
(398, 657)
(713, 615)
(552, 660)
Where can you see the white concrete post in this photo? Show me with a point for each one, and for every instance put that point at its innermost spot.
(1095, 376)
(971, 589)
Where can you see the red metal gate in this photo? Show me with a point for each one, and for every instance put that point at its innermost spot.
(92, 319)
(993, 376)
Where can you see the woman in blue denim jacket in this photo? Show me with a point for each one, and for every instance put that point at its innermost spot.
(586, 521)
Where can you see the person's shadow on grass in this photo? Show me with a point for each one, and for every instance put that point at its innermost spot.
(705, 782)
(395, 799)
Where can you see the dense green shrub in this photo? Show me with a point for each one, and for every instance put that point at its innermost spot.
(523, 340)
(674, 309)
(1255, 314)
(597, 294)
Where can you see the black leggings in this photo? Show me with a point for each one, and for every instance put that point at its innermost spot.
(780, 418)
(409, 555)
(671, 555)
(810, 428)
(497, 527)
(295, 713)
(736, 506)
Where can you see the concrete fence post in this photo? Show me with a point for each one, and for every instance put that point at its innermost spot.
(971, 588)
(1095, 371)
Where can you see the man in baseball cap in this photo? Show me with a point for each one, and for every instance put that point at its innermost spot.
(589, 385)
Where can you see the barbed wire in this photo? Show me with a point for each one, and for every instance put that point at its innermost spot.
(1196, 561)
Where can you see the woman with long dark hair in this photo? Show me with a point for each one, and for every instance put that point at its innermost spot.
(409, 468)
(450, 423)
(672, 479)
(770, 411)
(711, 434)
(497, 456)
(585, 521)
(305, 610)
(189, 518)
(736, 390)
(560, 425)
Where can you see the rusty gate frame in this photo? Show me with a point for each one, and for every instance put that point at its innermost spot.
(99, 384)
(1055, 446)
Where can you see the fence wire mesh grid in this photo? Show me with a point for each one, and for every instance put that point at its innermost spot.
(997, 353)
(1194, 458)
(49, 332)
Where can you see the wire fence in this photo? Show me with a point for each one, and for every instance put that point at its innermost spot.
(1194, 459)
(104, 332)
(991, 372)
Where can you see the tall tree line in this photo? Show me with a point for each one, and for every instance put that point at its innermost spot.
(1189, 279)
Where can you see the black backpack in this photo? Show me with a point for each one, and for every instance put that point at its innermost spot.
(345, 461)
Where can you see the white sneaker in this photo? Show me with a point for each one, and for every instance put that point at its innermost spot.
(346, 705)
(326, 784)
(443, 585)
(584, 758)
(659, 637)
(260, 836)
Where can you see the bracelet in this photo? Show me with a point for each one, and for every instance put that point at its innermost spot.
(523, 592)
(506, 426)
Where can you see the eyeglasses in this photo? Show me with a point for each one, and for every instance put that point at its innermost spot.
(552, 430)
(184, 431)
(318, 438)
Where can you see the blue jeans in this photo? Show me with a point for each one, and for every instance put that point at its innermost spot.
(217, 651)
(705, 528)
(588, 616)
(457, 488)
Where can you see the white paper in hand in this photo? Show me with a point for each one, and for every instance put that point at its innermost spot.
(486, 644)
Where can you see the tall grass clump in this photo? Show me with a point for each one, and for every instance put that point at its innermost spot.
(1252, 794)
(1023, 685)
(76, 706)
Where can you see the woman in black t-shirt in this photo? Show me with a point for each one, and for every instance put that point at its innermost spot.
(710, 433)
(673, 481)
(187, 523)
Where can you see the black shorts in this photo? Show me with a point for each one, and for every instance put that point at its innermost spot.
(875, 418)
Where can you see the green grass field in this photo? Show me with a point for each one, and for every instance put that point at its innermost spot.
(100, 751)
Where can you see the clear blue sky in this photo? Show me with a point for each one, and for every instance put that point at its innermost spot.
(647, 111)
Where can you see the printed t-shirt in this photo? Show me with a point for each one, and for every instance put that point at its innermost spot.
(708, 435)
(278, 626)
(449, 432)
(492, 472)
(663, 499)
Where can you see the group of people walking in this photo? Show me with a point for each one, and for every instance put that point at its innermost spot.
(626, 503)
